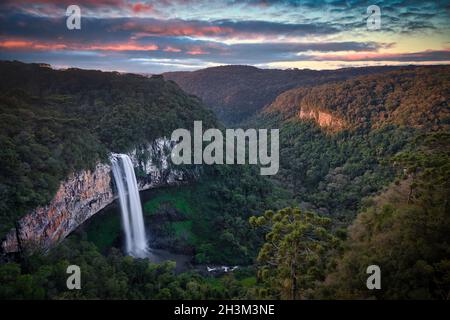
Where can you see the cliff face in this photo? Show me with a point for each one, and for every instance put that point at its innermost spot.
(297, 104)
(322, 118)
(79, 197)
(235, 93)
(154, 165)
(85, 193)
(411, 97)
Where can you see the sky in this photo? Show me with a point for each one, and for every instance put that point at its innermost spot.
(181, 35)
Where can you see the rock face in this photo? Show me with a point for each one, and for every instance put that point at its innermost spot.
(322, 118)
(85, 193)
(79, 197)
(155, 167)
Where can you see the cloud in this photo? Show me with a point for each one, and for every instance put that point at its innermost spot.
(171, 49)
(223, 28)
(188, 33)
(31, 45)
(142, 7)
(153, 27)
(428, 55)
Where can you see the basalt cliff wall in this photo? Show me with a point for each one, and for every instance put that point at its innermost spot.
(322, 118)
(85, 193)
(297, 104)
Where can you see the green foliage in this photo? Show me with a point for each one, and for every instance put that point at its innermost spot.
(228, 196)
(331, 174)
(103, 230)
(414, 97)
(213, 212)
(106, 277)
(207, 218)
(177, 198)
(331, 169)
(294, 256)
(406, 232)
(56, 122)
(236, 93)
(39, 147)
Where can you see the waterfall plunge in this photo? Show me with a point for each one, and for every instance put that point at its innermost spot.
(130, 205)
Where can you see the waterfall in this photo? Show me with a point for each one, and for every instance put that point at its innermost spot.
(130, 205)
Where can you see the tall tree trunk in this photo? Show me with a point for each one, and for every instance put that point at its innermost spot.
(293, 282)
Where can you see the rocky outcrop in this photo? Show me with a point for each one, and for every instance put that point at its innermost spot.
(79, 197)
(322, 118)
(85, 193)
(154, 165)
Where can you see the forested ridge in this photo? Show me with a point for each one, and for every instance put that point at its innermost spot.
(331, 169)
(404, 230)
(415, 98)
(388, 167)
(372, 192)
(237, 93)
(55, 122)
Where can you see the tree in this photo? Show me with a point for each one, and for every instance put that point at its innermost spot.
(295, 253)
(405, 231)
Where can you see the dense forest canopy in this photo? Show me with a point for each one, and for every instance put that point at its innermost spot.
(58, 121)
(407, 97)
(236, 93)
(330, 169)
(374, 190)
(404, 230)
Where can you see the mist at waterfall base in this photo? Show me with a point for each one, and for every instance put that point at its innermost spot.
(130, 206)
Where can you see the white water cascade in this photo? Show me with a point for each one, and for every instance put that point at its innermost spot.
(130, 205)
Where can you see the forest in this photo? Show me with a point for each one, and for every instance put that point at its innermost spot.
(237, 93)
(57, 122)
(373, 191)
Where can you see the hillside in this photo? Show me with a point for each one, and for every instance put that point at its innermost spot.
(414, 98)
(372, 154)
(363, 179)
(56, 122)
(405, 230)
(235, 93)
(336, 139)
